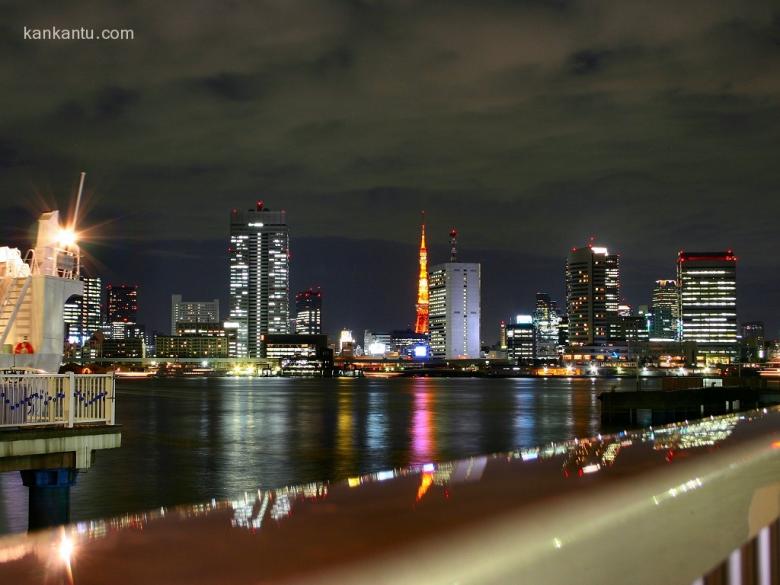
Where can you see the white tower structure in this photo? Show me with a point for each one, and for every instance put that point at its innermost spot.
(33, 292)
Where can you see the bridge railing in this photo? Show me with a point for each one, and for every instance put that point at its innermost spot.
(56, 400)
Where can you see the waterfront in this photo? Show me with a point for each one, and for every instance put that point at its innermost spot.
(190, 440)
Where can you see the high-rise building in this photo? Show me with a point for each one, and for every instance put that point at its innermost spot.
(455, 310)
(753, 341)
(546, 325)
(122, 303)
(308, 307)
(563, 333)
(665, 316)
(193, 311)
(259, 277)
(421, 323)
(592, 295)
(521, 340)
(708, 304)
(92, 316)
(502, 341)
(71, 315)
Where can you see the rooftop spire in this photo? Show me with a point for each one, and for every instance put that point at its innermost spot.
(421, 322)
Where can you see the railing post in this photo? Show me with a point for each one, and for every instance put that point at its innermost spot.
(71, 399)
(112, 396)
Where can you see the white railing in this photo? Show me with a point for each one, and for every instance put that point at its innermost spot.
(63, 400)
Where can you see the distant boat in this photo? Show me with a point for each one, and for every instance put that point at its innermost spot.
(771, 369)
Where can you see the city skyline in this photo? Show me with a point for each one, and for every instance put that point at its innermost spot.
(639, 289)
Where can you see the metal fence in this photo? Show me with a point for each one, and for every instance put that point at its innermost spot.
(63, 400)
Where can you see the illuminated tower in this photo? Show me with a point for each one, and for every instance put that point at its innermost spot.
(421, 324)
(259, 278)
(592, 295)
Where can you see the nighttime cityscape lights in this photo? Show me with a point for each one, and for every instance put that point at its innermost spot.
(553, 374)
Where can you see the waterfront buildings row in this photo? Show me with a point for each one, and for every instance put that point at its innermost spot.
(697, 309)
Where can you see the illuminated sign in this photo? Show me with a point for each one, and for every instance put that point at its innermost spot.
(524, 319)
(420, 351)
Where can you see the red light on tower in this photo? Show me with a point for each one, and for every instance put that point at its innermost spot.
(421, 322)
(259, 205)
(453, 245)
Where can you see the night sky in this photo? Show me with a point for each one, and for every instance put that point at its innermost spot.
(528, 125)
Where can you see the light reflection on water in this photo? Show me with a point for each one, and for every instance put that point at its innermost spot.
(192, 440)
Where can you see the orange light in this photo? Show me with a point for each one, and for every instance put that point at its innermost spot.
(427, 480)
(776, 445)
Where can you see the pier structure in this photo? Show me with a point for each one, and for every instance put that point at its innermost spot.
(51, 424)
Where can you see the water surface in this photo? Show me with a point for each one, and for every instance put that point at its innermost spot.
(190, 440)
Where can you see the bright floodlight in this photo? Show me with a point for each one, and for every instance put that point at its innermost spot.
(66, 237)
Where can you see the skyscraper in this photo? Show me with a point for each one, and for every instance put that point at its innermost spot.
(421, 320)
(92, 316)
(193, 311)
(308, 307)
(521, 340)
(592, 295)
(708, 304)
(455, 310)
(259, 277)
(546, 324)
(71, 315)
(122, 302)
(753, 341)
(665, 323)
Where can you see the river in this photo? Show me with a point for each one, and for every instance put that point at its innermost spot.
(190, 440)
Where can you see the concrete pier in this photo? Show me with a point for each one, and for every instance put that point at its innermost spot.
(49, 460)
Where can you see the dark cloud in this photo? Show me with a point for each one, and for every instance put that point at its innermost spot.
(105, 105)
(530, 125)
(232, 86)
(587, 61)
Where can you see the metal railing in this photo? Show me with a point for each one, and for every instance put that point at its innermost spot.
(61, 400)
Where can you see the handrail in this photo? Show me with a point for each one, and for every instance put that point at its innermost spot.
(31, 259)
(59, 400)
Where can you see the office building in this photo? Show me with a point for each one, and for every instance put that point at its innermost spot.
(665, 314)
(71, 315)
(708, 304)
(521, 340)
(259, 277)
(191, 346)
(193, 311)
(502, 342)
(546, 325)
(377, 344)
(407, 343)
(346, 343)
(454, 310)
(634, 329)
(753, 341)
(592, 295)
(301, 354)
(122, 303)
(92, 315)
(308, 308)
(131, 347)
